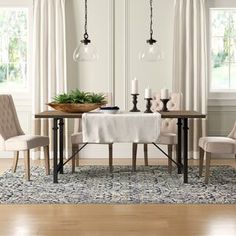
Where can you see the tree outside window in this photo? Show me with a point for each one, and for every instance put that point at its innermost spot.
(223, 49)
(13, 48)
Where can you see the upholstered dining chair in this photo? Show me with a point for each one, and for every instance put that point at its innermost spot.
(77, 140)
(12, 138)
(219, 145)
(168, 134)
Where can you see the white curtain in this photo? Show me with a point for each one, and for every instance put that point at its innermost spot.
(49, 57)
(190, 70)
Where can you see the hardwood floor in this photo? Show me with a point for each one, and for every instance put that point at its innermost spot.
(112, 220)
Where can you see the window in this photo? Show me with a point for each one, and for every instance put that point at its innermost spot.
(223, 49)
(14, 48)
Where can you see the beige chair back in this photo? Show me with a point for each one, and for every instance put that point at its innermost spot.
(232, 134)
(77, 125)
(175, 104)
(9, 123)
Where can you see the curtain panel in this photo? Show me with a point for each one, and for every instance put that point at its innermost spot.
(190, 65)
(49, 58)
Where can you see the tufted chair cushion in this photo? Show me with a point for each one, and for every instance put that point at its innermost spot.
(175, 104)
(25, 142)
(9, 124)
(224, 145)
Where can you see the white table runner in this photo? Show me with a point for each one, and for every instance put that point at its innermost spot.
(122, 127)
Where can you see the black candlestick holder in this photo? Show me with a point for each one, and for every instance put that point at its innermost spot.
(135, 101)
(148, 106)
(165, 101)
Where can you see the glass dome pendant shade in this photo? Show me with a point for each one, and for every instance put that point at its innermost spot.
(85, 51)
(151, 51)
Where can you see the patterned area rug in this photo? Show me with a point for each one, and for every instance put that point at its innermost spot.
(94, 184)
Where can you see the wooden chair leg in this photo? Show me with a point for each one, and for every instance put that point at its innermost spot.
(201, 159)
(145, 152)
(27, 164)
(170, 149)
(134, 156)
(73, 160)
(46, 159)
(77, 157)
(15, 161)
(110, 147)
(208, 161)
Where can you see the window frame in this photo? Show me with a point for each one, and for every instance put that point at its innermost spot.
(210, 61)
(27, 92)
(222, 96)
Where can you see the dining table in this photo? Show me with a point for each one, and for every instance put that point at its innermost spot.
(182, 117)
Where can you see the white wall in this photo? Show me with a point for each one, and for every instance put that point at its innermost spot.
(119, 29)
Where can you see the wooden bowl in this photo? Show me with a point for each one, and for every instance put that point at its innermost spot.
(75, 107)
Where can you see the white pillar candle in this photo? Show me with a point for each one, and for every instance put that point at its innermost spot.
(134, 86)
(164, 93)
(148, 93)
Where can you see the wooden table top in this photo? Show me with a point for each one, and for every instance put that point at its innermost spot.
(57, 114)
(182, 114)
(169, 114)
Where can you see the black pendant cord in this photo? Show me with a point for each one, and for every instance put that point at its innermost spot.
(151, 40)
(151, 20)
(86, 18)
(86, 36)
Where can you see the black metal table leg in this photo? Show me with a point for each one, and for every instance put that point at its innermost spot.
(179, 147)
(61, 143)
(185, 154)
(55, 147)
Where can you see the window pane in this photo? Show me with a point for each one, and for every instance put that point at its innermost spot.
(219, 21)
(13, 48)
(4, 49)
(17, 50)
(219, 51)
(233, 75)
(3, 73)
(223, 49)
(233, 23)
(220, 76)
(232, 56)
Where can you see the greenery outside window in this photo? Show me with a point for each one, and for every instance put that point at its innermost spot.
(14, 32)
(223, 49)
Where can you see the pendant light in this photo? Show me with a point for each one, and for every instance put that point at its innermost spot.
(85, 51)
(151, 52)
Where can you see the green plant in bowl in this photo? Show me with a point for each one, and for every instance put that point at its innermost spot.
(62, 98)
(77, 96)
(78, 101)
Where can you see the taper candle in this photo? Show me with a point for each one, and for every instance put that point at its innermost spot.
(164, 93)
(134, 86)
(148, 93)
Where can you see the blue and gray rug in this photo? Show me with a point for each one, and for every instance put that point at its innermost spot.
(94, 184)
